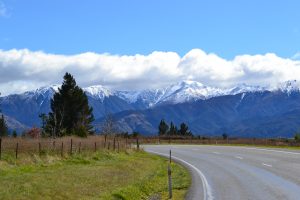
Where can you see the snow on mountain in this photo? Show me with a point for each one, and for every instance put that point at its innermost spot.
(289, 86)
(180, 92)
(46, 92)
(188, 91)
(98, 92)
(243, 88)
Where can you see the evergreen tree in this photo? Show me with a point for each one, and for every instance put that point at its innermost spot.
(14, 134)
(163, 128)
(3, 127)
(183, 131)
(173, 129)
(70, 113)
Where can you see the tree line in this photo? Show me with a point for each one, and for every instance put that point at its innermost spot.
(165, 130)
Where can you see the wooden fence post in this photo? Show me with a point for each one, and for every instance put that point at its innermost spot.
(79, 147)
(71, 148)
(170, 181)
(0, 148)
(40, 149)
(170, 156)
(95, 147)
(62, 149)
(108, 145)
(114, 143)
(118, 147)
(53, 145)
(17, 149)
(137, 143)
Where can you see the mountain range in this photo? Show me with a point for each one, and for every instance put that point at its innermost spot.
(243, 110)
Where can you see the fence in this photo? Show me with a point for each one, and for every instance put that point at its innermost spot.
(63, 146)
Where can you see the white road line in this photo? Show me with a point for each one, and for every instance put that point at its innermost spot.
(239, 157)
(207, 192)
(262, 149)
(264, 164)
(216, 152)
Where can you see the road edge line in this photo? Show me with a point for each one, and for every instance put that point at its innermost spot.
(207, 192)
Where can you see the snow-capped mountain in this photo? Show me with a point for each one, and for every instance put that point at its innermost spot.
(180, 92)
(98, 92)
(244, 88)
(288, 86)
(25, 108)
(186, 91)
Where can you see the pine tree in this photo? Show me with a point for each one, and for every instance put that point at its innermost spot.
(183, 131)
(172, 130)
(14, 134)
(70, 113)
(163, 128)
(3, 127)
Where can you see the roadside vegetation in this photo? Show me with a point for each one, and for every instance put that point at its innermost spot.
(101, 175)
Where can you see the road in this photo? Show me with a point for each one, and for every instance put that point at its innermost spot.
(238, 173)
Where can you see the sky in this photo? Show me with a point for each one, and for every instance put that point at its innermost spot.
(137, 44)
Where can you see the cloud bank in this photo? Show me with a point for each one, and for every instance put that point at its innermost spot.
(22, 70)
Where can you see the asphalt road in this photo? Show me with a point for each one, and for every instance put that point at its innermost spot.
(238, 173)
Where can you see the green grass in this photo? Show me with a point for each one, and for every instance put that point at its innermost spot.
(102, 175)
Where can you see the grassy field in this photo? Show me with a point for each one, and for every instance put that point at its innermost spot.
(102, 175)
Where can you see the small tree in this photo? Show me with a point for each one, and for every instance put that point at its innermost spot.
(3, 127)
(297, 137)
(163, 128)
(225, 136)
(14, 134)
(184, 130)
(172, 130)
(33, 133)
(108, 126)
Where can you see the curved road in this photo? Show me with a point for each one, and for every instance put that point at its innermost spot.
(238, 173)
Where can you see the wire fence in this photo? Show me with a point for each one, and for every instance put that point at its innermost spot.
(63, 146)
(74, 145)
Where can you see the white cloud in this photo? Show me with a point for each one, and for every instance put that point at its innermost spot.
(21, 70)
(296, 56)
(3, 10)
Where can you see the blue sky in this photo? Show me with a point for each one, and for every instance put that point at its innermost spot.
(227, 28)
(141, 44)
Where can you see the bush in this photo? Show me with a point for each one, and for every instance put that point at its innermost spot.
(297, 137)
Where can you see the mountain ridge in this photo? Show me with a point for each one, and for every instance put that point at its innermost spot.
(24, 108)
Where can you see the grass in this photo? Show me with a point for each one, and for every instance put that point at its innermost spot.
(102, 175)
